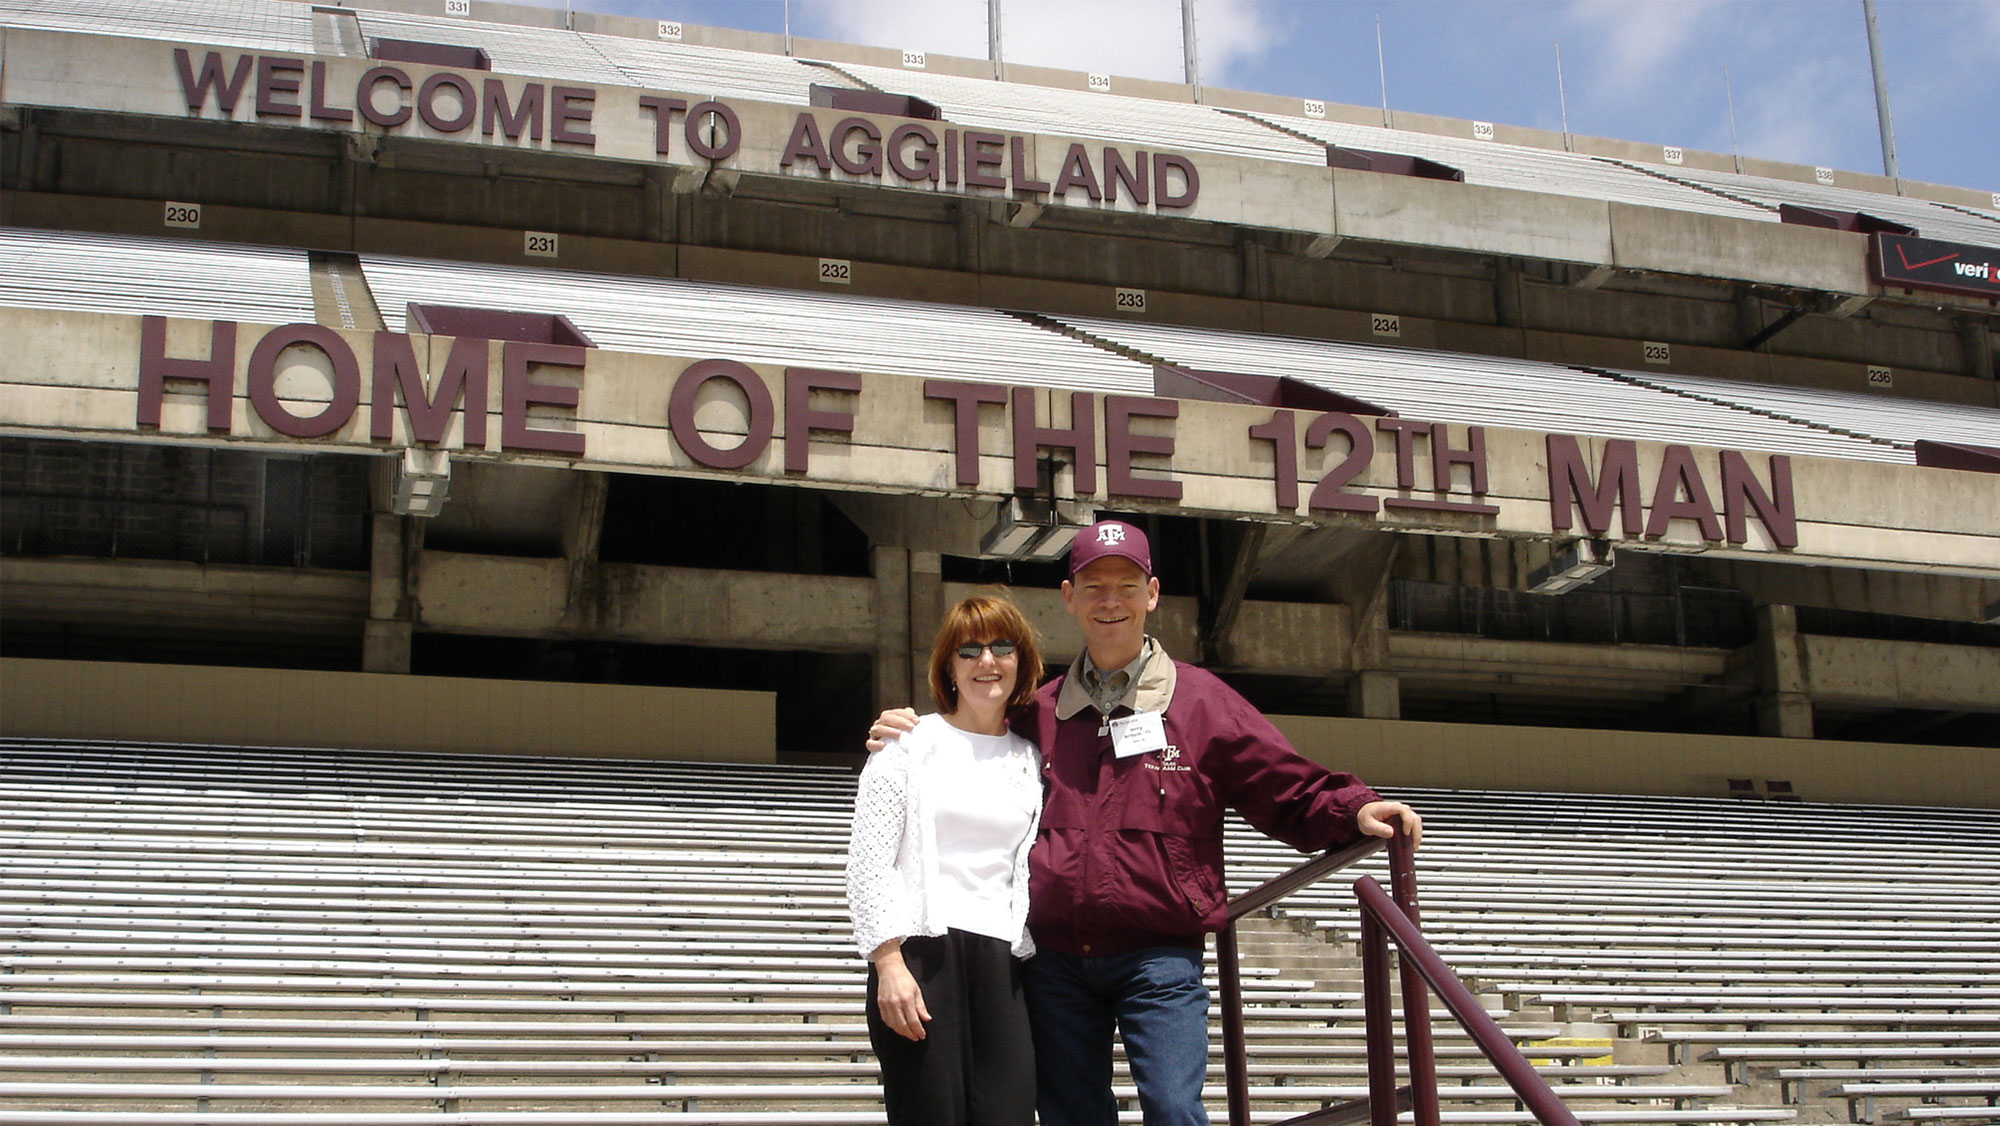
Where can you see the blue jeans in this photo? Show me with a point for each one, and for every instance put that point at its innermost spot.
(1155, 1000)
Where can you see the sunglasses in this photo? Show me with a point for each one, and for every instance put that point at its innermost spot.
(970, 650)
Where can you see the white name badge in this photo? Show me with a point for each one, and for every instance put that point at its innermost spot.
(1137, 734)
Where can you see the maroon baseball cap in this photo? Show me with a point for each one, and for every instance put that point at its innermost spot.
(1110, 537)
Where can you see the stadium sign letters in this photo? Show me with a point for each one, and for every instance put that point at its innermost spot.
(542, 388)
(450, 103)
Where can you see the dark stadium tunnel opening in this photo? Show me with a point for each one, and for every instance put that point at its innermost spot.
(133, 500)
(688, 522)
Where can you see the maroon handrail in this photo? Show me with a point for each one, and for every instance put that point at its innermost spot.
(1493, 1041)
(1384, 917)
(1235, 1065)
(1416, 1001)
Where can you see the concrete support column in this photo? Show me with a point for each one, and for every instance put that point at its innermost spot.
(1787, 715)
(893, 660)
(660, 205)
(385, 639)
(582, 531)
(1750, 316)
(385, 646)
(1223, 600)
(1375, 695)
(1978, 345)
(1507, 297)
(1373, 692)
(1255, 286)
(1784, 708)
(971, 220)
(926, 610)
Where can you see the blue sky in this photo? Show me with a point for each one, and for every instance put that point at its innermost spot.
(1637, 70)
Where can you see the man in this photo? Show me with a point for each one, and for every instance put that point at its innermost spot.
(1141, 755)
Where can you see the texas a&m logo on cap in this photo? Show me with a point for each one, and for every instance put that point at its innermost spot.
(1111, 537)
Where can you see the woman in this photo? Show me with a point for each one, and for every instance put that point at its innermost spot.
(937, 882)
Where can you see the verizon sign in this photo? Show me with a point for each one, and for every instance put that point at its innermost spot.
(1944, 267)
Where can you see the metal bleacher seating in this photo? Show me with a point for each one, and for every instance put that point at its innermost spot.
(1780, 940)
(253, 26)
(201, 934)
(671, 316)
(287, 937)
(1932, 220)
(100, 273)
(1113, 117)
(1529, 394)
(1524, 168)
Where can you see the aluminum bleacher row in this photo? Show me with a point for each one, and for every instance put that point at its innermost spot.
(253, 935)
(1845, 953)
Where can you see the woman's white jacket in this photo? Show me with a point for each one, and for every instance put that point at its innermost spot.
(892, 855)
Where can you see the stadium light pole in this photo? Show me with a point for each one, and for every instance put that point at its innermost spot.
(1881, 96)
(1382, 69)
(993, 36)
(1562, 96)
(1190, 64)
(1735, 146)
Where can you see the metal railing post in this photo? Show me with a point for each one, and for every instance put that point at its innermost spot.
(1235, 1065)
(1416, 997)
(1493, 1041)
(1380, 1024)
(1385, 916)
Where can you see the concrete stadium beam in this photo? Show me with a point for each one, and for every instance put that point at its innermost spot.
(165, 596)
(505, 596)
(1900, 674)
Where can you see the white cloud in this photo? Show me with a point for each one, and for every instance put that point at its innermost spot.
(1231, 34)
(949, 27)
(1986, 22)
(1638, 41)
(1812, 111)
(1135, 38)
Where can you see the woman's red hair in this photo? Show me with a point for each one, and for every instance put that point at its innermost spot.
(985, 617)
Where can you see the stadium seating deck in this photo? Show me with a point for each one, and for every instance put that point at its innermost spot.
(1113, 117)
(282, 936)
(260, 25)
(1501, 165)
(1931, 220)
(668, 316)
(98, 273)
(549, 51)
(664, 316)
(1527, 394)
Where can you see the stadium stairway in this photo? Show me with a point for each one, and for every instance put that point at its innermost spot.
(288, 937)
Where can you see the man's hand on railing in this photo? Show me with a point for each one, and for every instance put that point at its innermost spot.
(1374, 820)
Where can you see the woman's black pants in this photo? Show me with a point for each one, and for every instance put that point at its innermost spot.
(975, 1065)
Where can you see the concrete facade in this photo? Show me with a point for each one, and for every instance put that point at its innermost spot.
(81, 375)
(617, 137)
(1805, 617)
(268, 707)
